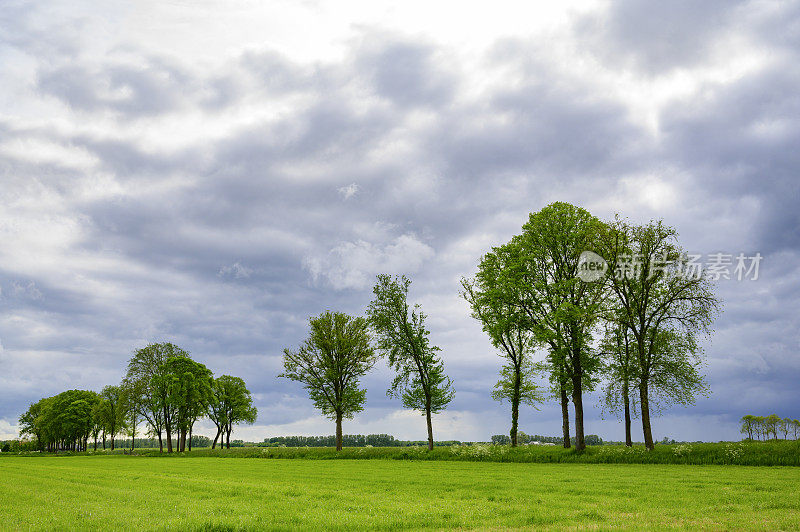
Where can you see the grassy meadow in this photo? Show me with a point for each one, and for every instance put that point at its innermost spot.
(205, 493)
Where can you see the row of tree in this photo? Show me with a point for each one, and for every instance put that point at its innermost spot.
(762, 427)
(610, 302)
(164, 389)
(339, 351)
(348, 440)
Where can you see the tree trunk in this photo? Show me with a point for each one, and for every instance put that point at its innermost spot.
(160, 443)
(214, 445)
(338, 431)
(190, 436)
(577, 401)
(112, 441)
(104, 440)
(95, 443)
(169, 438)
(430, 428)
(228, 438)
(626, 399)
(645, 407)
(565, 416)
(515, 406)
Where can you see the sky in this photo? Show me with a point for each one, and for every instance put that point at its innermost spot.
(212, 174)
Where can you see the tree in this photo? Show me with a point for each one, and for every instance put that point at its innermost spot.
(502, 321)
(516, 384)
(402, 337)
(61, 422)
(664, 304)
(748, 425)
(230, 404)
(111, 411)
(31, 423)
(131, 415)
(330, 362)
(560, 310)
(620, 370)
(187, 385)
(771, 425)
(786, 427)
(151, 400)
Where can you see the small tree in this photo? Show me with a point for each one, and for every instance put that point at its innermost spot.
(786, 427)
(231, 403)
(330, 362)
(402, 337)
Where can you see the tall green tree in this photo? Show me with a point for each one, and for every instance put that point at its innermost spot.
(329, 364)
(231, 403)
(150, 391)
(560, 310)
(402, 337)
(664, 304)
(501, 320)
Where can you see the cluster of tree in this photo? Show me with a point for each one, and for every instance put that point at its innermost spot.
(762, 427)
(339, 351)
(348, 440)
(522, 438)
(164, 389)
(631, 320)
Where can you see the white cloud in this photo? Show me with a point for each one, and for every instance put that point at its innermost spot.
(355, 264)
(8, 431)
(349, 191)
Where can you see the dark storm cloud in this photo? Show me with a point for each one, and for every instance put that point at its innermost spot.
(655, 37)
(406, 73)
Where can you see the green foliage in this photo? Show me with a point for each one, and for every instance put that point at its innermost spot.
(664, 305)
(230, 404)
(110, 412)
(187, 389)
(330, 363)
(762, 427)
(64, 421)
(150, 389)
(518, 385)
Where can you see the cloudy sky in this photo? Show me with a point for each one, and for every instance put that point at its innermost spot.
(213, 173)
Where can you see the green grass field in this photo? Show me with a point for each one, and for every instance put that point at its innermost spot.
(130, 492)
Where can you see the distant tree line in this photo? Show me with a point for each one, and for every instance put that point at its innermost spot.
(522, 438)
(164, 390)
(764, 427)
(348, 440)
